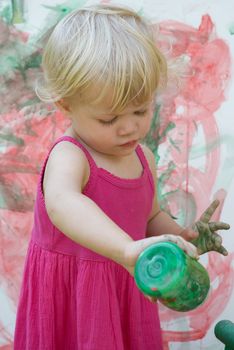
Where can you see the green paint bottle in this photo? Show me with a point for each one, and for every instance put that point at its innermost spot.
(165, 271)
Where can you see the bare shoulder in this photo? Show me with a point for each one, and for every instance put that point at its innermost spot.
(67, 168)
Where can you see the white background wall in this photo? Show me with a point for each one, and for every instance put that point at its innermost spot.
(188, 12)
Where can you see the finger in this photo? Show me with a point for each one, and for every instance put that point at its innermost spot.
(144, 243)
(168, 238)
(189, 234)
(187, 247)
(151, 299)
(217, 244)
(209, 211)
(210, 244)
(214, 226)
(217, 240)
(223, 251)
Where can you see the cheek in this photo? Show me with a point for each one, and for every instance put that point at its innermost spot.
(147, 123)
(103, 135)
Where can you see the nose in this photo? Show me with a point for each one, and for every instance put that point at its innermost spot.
(129, 126)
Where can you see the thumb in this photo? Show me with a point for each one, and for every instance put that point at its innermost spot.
(189, 234)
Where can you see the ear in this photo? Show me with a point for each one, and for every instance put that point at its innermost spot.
(63, 106)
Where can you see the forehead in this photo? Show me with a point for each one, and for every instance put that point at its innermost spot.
(104, 105)
(93, 97)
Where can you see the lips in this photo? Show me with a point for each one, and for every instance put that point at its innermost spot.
(129, 144)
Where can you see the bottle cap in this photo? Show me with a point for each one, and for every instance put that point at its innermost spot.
(159, 268)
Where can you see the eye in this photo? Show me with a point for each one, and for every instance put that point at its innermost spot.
(108, 122)
(143, 112)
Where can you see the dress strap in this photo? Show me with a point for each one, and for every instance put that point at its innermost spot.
(78, 144)
(92, 164)
(93, 167)
(145, 164)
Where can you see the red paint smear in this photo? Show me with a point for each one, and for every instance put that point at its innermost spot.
(28, 140)
(202, 94)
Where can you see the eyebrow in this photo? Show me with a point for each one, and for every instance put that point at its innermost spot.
(104, 114)
(139, 108)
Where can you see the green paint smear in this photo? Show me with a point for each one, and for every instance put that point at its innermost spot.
(163, 197)
(231, 29)
(200, 151)
(12, 138)
(7, 61)
(140, 12)
(13, 13)
(226, 177)
(6, 14)
(2, 201)
(63, 9)
(18, 11)
(154, 138)
(33, 62)
(16, 58)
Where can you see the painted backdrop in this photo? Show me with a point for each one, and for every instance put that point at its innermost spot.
(192, 138)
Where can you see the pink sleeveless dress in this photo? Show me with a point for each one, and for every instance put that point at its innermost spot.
(75, 299)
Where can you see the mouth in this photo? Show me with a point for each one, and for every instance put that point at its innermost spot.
(129, 144)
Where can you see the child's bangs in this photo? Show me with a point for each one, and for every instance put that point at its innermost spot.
(134, 82)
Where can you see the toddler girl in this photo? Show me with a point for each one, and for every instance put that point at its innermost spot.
(96, 207)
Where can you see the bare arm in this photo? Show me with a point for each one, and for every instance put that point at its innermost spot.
(72, 212)
(79, 218)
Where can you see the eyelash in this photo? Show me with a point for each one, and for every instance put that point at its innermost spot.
(140, 112)
(109, 122)
(112, 121)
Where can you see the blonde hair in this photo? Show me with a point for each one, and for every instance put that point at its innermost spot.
(107, 45)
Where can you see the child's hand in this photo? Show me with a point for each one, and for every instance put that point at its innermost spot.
(134, 248)
(151, 299)
(208, 239)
